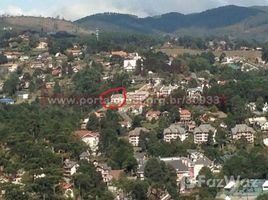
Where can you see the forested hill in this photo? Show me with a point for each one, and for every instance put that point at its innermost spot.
(242, 20)
(170, 22)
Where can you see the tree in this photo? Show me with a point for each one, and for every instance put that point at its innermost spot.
(210, 141)
(259, 103)
(93, 122)
(11, 84)
(262, 197)
(221, 137)
(88, 80)
(153, 171)
(89, 182)
(3, 59)
(265, 53)
(206, 191)
(137, 121)
(161, 176)
(57, 88)
(14, 192)
(222, 56)
(122, 156)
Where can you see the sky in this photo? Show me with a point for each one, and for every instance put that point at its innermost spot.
(75, 9)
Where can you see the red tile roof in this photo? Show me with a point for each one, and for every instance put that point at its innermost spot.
(185, 112)
(116, 173)
(85, 133)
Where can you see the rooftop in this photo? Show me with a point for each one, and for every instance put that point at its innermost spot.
(204, 128)
(85, 133)
(242, 128)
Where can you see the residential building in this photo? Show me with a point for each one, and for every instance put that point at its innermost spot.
(194, 93)
(265, 186)
(117, 99)
(259, 121)
(264, 127)
(134, 135)
(42, 45)
(23, 95)
(130, 65)
(84, 156)
(12, 55)
(201, 133)
(165, 91)
(67, 189)
(119, 53)
(84, 124)
(105, 170)
(90, 138)
(265, 108)
(242, 130)
(70, 168)
(127, 121)
(150, 115)
(199, 161)
(174, 132)
(137, 97)
(74, 52)
(183, 166)
(185, 116)
(7, 101)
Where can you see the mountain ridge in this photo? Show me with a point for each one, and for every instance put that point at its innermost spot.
(213, 19)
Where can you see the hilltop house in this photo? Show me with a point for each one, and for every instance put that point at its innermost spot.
(242, 130)
(201, 133)
(134, 135)
(90, 138)
(174, 132)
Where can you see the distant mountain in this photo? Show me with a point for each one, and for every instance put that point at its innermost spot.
(222, 20)
(41, 23)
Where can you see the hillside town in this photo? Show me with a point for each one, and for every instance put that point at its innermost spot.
(184, 120)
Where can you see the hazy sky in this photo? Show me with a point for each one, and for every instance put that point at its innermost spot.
(74, 9)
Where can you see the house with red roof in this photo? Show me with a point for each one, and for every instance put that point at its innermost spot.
(90, 138)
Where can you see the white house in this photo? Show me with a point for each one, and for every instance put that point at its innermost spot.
(167, 90)
(134, 135)
(90, 138)
(265, 108)
(70, 167)
(264, 127)
(194, 92)
(242, 130)
(130, 65)
(174, 132)
(265, 186)
(117, 99)
(201, 133)
(265, 141)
